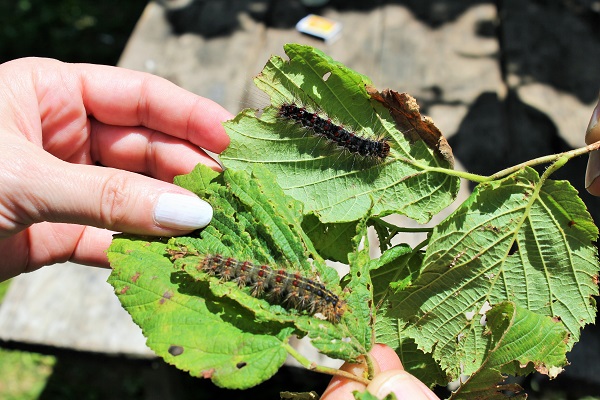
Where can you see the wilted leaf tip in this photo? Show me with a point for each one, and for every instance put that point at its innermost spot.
(405, 111)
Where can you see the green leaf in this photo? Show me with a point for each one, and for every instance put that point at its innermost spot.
(336, 186)
(415, 361)
(520, 340)
(185, 329)
(255, 221)
(393, 271)
(519, 239)
(361, 287)
(368, 396)
(332, 241)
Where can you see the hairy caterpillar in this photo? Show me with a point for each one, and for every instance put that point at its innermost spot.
(376, 149)
(290, 289)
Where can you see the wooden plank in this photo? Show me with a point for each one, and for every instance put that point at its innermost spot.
(445, 68)
(210, 67)
(552, 55)
(69, 306)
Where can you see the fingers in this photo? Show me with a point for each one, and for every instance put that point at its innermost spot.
(124, 201)
(48, 243)
(402, 384)
(592, 135)
(390, 377)
(116, 96)
(341, 388)
(386, 357)
(393, 378)
(37, 187)
(145, 151)
(65, 95)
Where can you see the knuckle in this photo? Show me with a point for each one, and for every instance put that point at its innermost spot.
(115, 200)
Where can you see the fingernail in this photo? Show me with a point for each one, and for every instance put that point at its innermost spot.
(593, 168)
(593, 126)
(180, 211)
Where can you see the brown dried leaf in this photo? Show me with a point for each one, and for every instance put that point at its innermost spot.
(405, 111)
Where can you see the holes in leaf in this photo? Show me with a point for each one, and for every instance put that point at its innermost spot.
(241, 364)
(326, 76)
(513, 248)
(258, 112)
(175, 350)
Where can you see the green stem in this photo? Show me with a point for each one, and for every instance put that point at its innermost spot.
(396, 228)
(553, 158)
(552, 168)
(370, 366)
(460, 174)
(306, 363)
(419, 246)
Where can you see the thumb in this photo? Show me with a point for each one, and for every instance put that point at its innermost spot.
(57, 191)
(402, 384)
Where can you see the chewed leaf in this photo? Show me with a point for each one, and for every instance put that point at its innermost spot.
(255, 224)
(352, 157)
(520, 341)
(405, 111)
(333, 241)
(520, 239)
(252, 277)
(184, 327)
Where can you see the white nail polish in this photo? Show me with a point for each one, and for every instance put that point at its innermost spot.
(181, 211)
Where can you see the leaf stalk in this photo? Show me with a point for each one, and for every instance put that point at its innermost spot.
(552, 158)
(306, 363)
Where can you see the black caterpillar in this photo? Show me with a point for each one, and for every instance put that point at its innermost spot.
(352, 142)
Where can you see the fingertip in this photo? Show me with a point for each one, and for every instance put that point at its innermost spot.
(340, 387)
(592, 184)
(385, 357)
(592, 134)
(209, 130)
(182, 212)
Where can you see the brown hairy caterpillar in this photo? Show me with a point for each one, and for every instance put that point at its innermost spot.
(289, 289)
(372, 149)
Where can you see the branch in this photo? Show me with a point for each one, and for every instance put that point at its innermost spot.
(553, 158)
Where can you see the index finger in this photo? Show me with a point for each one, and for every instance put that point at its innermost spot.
(118, 96)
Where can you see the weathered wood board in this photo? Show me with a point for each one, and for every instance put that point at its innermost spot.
(69, 306)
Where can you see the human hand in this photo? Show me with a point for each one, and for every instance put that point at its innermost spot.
(390, 377)
(57, 121)
(592, 135)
